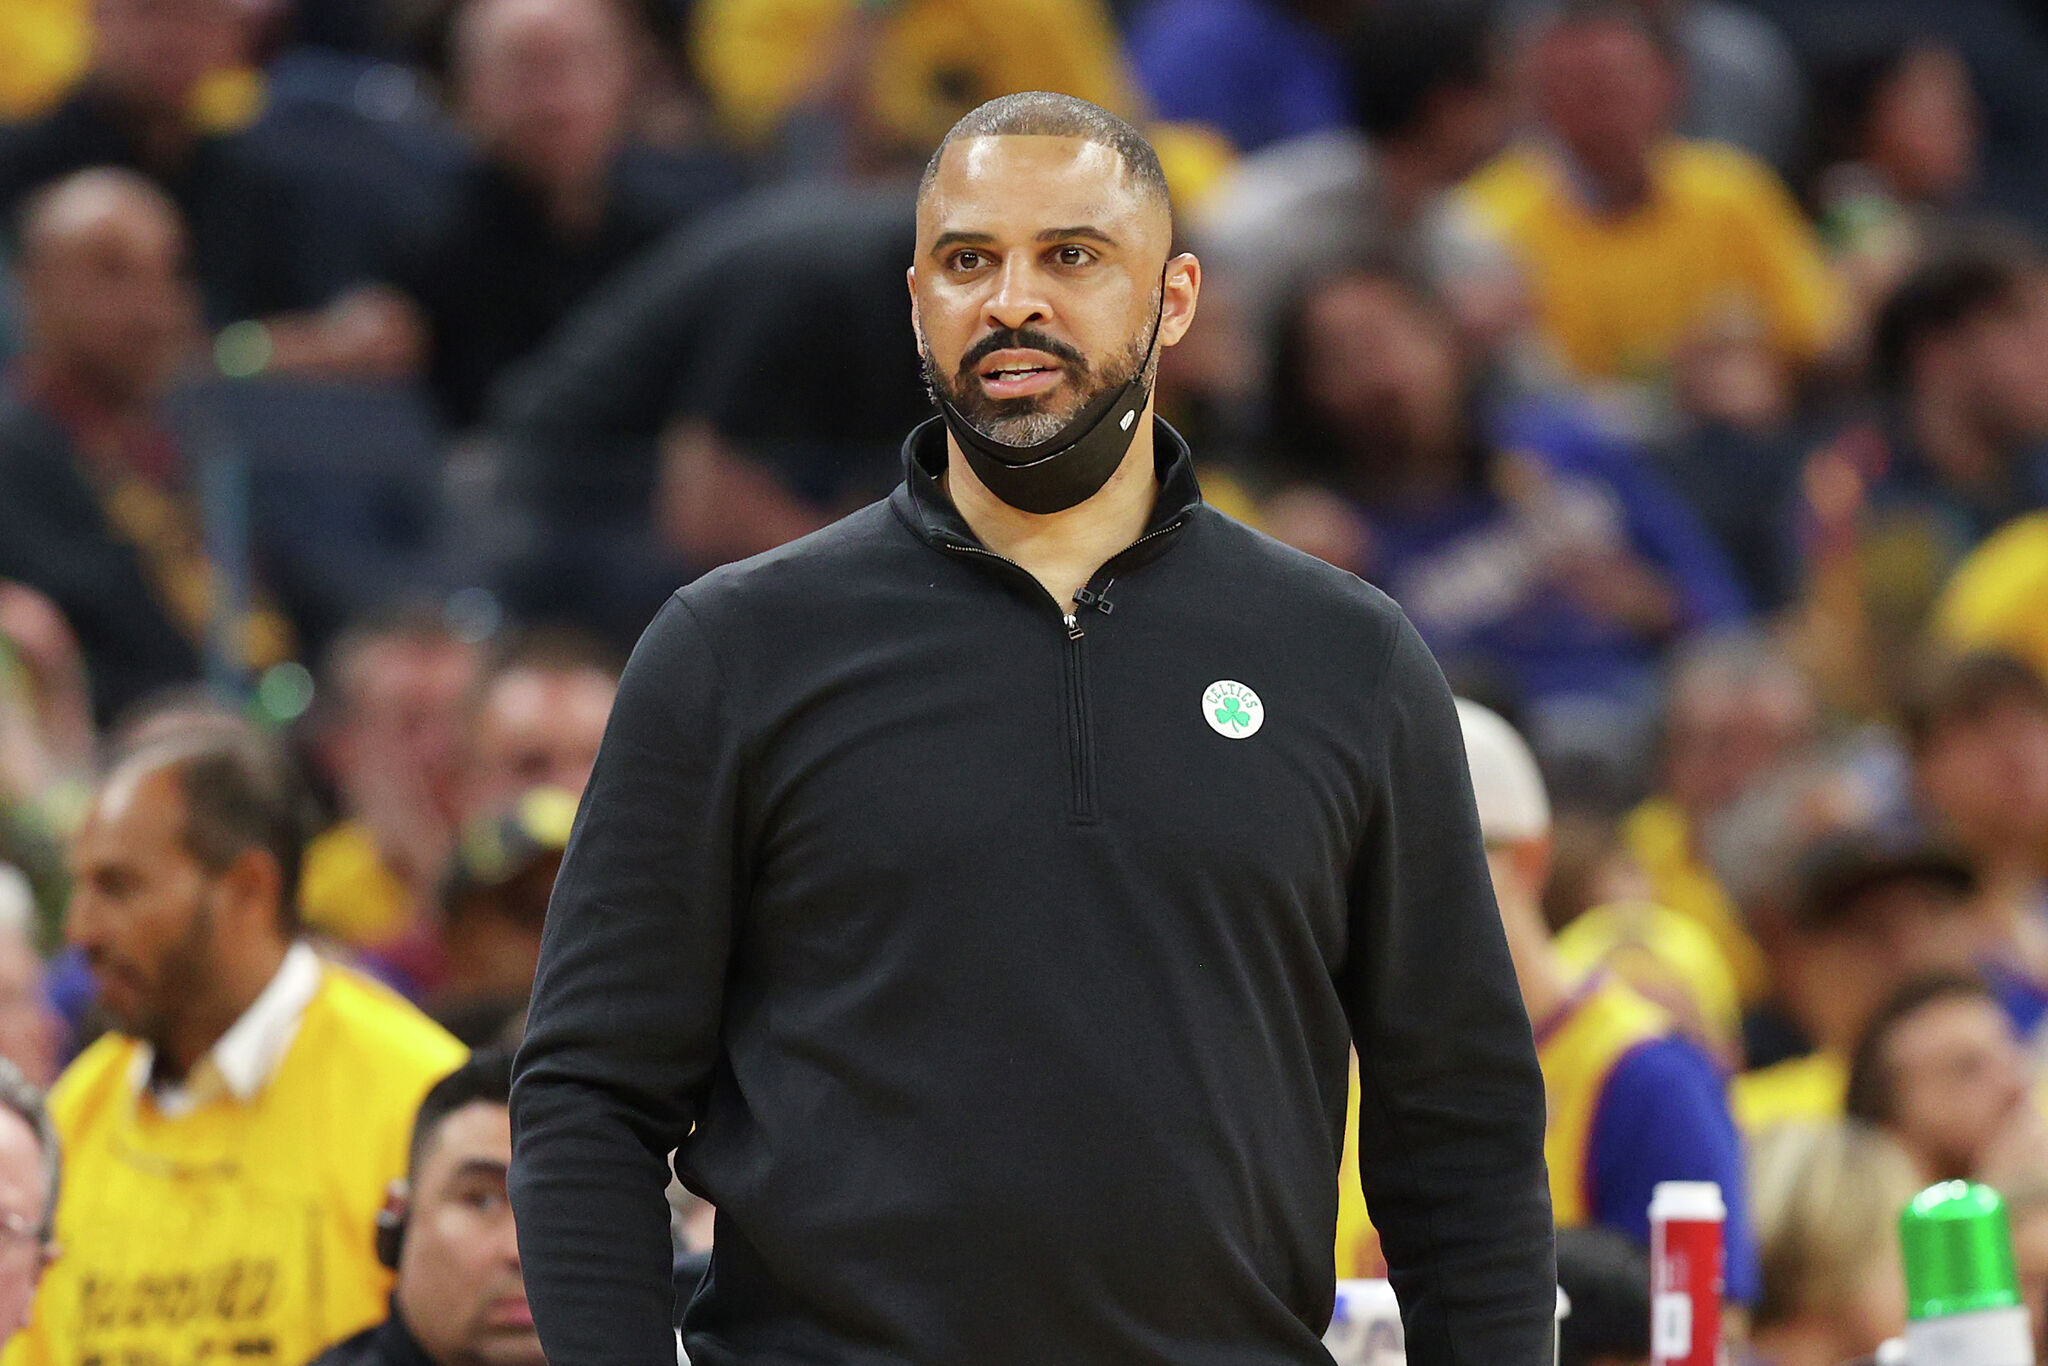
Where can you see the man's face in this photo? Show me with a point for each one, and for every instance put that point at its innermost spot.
(1898, 929)
(1958, 1074)
(1987, 778)
(1722, 734)
(154, 53)
(107, 301)
(28, 1028)
(23, 1194)
(537, 728)
(545, 85)
(459, 1286)
(2002, 359)
(1041, 274)
(1381, 368)
(403, 704)
(141, 906)
(1606, 91)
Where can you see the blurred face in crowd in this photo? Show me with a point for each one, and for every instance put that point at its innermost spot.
(536, 727)
(156, 927)
(1606, 91)
(107, 304)
(1894, 931)
(1038, 281)
(29, 1030)
(544, 85)
(1722, 731)
(24, 1198)
(459, 1285)
(1382, 368)
(1957, 1075)
(1986, 777)
(403, 702)
(1924, 126)
(154, 53)
(1993, 366)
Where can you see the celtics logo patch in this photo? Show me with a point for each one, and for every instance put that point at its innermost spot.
(1232, 710)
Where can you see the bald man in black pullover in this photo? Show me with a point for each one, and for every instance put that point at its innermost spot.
(980, 895)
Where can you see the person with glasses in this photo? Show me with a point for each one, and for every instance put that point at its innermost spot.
(28, 1196)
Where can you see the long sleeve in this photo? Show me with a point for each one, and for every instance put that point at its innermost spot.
(623, 1033)
(1450, 1135)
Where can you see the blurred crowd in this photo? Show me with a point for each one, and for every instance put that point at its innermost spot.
(372, 371)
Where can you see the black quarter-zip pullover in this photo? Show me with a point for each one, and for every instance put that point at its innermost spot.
(992, 968)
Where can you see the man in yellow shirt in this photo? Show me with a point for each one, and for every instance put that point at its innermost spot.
(1634, 241)
(228, 1147)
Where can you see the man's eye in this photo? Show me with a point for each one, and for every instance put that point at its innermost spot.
(967, 260)
(1071, 255)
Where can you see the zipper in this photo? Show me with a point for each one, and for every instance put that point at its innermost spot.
(1082, 797)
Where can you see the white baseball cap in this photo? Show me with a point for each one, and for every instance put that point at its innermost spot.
(1512, 803)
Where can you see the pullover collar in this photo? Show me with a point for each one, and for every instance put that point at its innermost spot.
(923, 504)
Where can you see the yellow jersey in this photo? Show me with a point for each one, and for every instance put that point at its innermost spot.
(1812, 1089)
(238, 1231)
(1659, 838)
(349, 893)
(1994, 601)
(1578, 1049)
(1719, 240)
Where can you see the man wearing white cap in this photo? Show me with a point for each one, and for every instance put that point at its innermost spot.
(1632, 1102)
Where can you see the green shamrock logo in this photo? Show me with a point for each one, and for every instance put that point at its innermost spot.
(1232, 713)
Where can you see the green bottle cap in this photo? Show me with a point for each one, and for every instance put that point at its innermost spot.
(1958, 1251)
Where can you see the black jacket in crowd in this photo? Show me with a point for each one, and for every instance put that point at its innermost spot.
(389, 1343)
(994, 978)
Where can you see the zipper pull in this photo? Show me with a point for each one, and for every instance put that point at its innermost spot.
(1074, 631)
(1088, 597)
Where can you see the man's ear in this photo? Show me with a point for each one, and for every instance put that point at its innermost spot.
(1179, 290)
(391, 1219)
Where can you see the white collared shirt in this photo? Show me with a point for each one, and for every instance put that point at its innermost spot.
(243, 1060)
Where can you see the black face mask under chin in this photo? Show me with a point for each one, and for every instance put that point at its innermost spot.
(1069, 467)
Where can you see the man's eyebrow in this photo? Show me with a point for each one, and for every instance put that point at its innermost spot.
(1083, 231)
(959, 239)
(479, 1166)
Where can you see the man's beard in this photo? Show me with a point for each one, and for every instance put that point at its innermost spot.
(185, 968)
(1035, 417)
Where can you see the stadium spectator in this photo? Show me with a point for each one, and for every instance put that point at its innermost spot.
(1827, 1198)
(657, 434)
(1940, 1070)
(1871, 914)
(538, 714)
(1961, 358)
(1428, 107)
(1992, 601)
(1978, 731)
(1606, 1276)
(29, 1169)
(238, 1128)
(257, 248)
(31, 1035)
(46, 741)
(1256, 71)
(447, 1232)
(492, 907)
(1632, 1101)
(96, 507)
(1541, 562)
(857, 86)
(393, 701)
(1735, 707)
(556, 201)
(1897, 147)
(1634, 240)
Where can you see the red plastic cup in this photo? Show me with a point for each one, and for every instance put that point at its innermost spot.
(1686, 1222)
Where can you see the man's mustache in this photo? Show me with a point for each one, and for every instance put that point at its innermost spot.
(1020, 339)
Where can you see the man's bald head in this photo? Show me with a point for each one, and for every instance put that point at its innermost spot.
(106, 300)
(1041, 113)
(545, 85)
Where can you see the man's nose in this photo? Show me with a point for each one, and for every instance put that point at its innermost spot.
(1019, 296)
